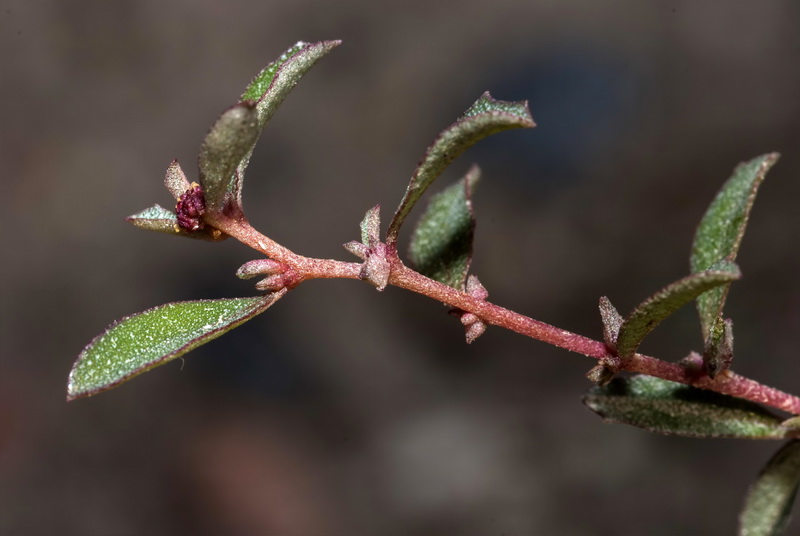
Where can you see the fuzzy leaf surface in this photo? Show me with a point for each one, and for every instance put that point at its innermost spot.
(671, 408)
(162, 220)
(769, 502)
(720, 232)
(227, 149)
(647, 315)
(228, 142)
(485, 117)
(268, 90)
(441, 246)
(139, 342)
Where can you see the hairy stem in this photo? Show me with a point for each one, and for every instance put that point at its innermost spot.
(403, 277)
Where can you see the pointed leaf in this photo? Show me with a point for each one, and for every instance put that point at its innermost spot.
(666, 301)
(157, 218)
(268, 89)
(230, 140)
(175, 180)
(769, 502)
(225, 156)
(371, 227)
(671, 408)
(276, 80)
(139, 342)
(441, 246)
(720, 231)
(484, 118)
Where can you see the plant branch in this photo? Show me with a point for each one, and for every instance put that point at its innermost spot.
(404, 277)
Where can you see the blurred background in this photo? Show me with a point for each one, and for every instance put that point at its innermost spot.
(345, 411)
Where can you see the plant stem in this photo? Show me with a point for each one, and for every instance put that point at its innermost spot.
(403, 277)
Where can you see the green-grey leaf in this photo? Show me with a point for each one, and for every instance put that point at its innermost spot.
(157, 218)
(268, 89)
(769, 502)
(441, 246)
(485, 117)
(720, 232)
(666, 301)
(139, 342)
(228, 142)
(276, 80)
(671, 408)
(263, 96)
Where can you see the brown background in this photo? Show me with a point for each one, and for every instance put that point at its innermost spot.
(345, 411)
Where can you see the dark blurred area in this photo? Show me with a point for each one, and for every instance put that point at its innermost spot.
(345, 411)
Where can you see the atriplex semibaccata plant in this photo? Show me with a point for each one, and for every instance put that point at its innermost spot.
(699, 396)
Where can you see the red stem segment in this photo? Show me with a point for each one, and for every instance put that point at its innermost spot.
(401, 276)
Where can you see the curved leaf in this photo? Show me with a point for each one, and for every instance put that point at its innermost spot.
(139, 342)
(769, 502)
(441, 246)
(157, 218)
(671, 408)
(720, 232)
(230, 140)
(485, 117)
(666, 301)
(226, 152)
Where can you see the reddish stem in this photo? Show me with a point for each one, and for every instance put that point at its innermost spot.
(404, 277)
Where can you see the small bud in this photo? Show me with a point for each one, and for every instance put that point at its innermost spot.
(376, 268)
(600, 374)
(612, 321)
(718, 353)
(475, 288)
(258, 267)
(272, 282)
(474, 331)
(190, 208)
(358, 249)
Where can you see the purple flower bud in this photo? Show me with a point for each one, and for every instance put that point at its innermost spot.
(190, 208)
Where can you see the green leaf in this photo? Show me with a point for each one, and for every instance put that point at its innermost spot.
(441, 246)
(769, 502)
(226, 152)
(157, 218)
(276, 80)
(139, 342)
(671, 408)
(720, 232)
(229, 141)
(484, 118)
(666, 301)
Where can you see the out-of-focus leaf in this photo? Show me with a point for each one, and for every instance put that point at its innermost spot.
(139, 342)
(671, 408)
(484, 118)
(720, 232)
(229, 141)
(718, 353)
(769, 502)
(647, 315)
(157, 218)
(441, 246)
